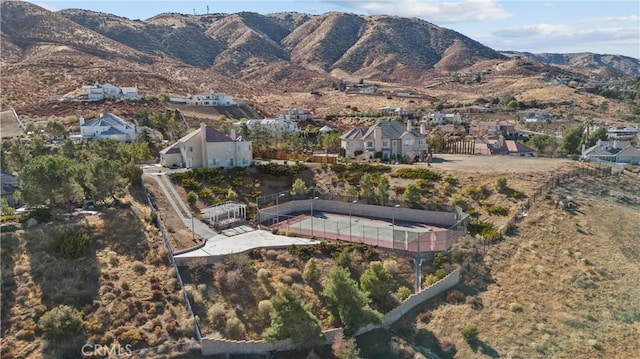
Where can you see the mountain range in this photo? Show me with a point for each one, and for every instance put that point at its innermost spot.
(245, 50)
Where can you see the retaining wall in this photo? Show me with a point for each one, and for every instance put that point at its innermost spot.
(212, 346)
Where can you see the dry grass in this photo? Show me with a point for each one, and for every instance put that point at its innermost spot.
(566, 284)
(118, 303)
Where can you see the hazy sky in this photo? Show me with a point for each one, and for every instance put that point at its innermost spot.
(605, 27)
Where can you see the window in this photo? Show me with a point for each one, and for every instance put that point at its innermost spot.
(408, 141)
(369, 144)
(385, 143)
(190, 149)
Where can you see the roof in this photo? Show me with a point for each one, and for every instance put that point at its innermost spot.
(606, 148)
(111, 131)
(629, 151)
(9, 183)
(517, 147)
(216, 136)
(389, 129)
(106, 120)
(171, 149)
(354, 133)
(326, 129)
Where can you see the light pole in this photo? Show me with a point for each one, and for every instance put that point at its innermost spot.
(314, 198)
(277, 211)
(393, 223)
(352, 202)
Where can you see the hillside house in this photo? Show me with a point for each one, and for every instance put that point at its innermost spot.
(296, 114)
(210, 98)
(388, 140)
(611, 151)
(441, 118)
(107, 126)
(98, 92)
(271, 124)
(623, 133)
(534, 115)
(393, 111)
(207, 147)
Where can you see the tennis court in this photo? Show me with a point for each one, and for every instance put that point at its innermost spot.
(395, 234)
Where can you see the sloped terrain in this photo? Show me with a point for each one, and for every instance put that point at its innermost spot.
(564, 285)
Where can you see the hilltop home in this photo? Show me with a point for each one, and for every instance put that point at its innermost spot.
(611, 151)
(389, 140)
(534, 115)
(97, 92)
(296, 114)
(441, 118)
(108, 126)
(272, 124)
(210, 98)
(206, 147)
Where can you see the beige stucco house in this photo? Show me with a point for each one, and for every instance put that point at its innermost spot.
(391, 139)
(207, 147)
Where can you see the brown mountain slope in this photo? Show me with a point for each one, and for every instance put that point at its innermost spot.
(590, 62)
(26, 26)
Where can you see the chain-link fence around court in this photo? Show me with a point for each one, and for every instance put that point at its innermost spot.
(394, 233)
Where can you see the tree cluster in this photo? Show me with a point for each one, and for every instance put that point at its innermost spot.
(94, 170)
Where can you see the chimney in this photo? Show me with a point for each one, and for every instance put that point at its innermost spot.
(81, 120)
(615, 144)
(423, 128)
(100, 115)
(409, 125)
(584, 149)
(203, 144)
(599, 143)
(377, 137)
(233, 134)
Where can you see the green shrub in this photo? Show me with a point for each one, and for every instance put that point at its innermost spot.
(190, 183)
(473, 191)
(498, 210)
(457, 199)
(483, 228)
(501, 184)
(344, 258)
(416, 173)
(450, 180)
(470, 333)
(192, 198)
(311, 273)
(61, 322)
(71, 244)
(403, 293)
(42, 215)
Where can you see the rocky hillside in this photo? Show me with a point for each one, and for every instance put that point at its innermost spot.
(614, 64)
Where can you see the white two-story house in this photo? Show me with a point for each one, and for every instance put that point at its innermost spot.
(272, 124)
(210, 98)
(207, 147)
(108, 125)
(98, 91)
(388, 140)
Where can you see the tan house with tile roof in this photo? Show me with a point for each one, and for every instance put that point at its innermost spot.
(207, 147)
